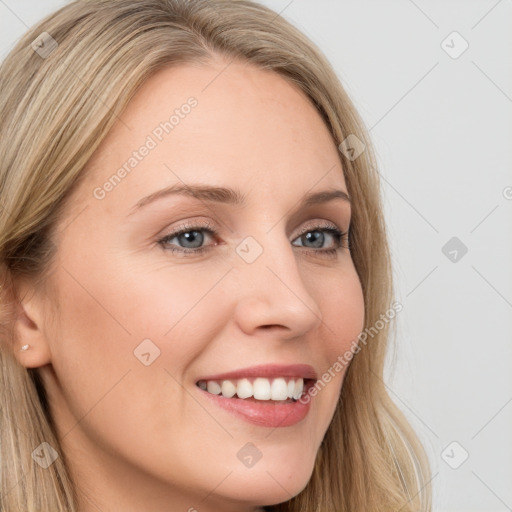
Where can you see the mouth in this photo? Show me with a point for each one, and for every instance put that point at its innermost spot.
(259, 389)
(263, 395)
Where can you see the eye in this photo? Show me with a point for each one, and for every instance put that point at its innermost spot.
(190, 239)
(316, 237)
(191, 236)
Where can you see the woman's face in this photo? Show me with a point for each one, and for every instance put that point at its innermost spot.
(261, 289)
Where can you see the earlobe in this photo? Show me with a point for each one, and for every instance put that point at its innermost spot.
(30, 346)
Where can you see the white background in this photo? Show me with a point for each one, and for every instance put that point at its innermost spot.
(442, 128)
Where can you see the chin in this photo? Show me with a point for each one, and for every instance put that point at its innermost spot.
(268, 484)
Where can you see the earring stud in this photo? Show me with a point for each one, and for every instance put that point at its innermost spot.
(24, 347)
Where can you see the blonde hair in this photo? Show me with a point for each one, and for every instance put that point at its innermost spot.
(56, 108)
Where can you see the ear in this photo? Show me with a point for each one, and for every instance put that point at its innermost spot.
(29, 326)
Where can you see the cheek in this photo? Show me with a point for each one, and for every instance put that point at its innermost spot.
(343, 312)
(151, 323)
(105, 391)
(343, 317)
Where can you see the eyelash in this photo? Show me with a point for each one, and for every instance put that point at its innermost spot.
(339, 236)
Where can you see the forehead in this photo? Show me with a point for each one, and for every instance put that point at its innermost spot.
(235, 126)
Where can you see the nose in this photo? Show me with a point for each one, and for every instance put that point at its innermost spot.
(271, 295)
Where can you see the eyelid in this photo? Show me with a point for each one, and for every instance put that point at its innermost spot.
(208, 226)
(316, 224)
(189, 225)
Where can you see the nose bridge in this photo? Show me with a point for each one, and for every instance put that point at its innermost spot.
(271, 289)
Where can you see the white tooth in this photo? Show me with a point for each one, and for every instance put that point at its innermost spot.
(291, 388)
(261, 389)
(299, 387)
(202, 384)
(213, 387)
(244, 388)
(228, 388)
(279, 389)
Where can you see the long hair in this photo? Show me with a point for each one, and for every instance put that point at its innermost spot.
(62, 87)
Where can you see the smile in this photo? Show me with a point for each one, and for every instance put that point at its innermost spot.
(266, 395)
(260, 388)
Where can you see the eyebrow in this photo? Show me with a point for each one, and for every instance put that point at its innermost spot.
(230, 196)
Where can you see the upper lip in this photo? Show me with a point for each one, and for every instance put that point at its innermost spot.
(304, 371)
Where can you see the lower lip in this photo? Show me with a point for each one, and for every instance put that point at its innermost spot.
(265, 413)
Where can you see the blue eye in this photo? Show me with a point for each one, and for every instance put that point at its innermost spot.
(194, 238)
(190, 239)
(318, 235)
(191, 236)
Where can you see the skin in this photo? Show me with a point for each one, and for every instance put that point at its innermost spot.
(145, 437)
